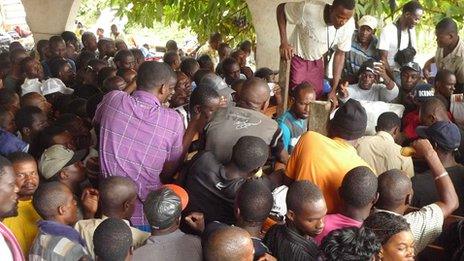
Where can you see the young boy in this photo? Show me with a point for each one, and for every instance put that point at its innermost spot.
(359, 194)
(56, 239)
(213, 186)
(24, 225)
(306, 209)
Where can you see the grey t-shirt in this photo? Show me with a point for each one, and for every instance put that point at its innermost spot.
(176, 246)
(230, 124)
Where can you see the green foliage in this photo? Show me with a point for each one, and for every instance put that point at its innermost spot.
(232, 18)
(89, 10)
(434, 10)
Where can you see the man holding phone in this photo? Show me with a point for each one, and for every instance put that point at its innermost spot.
(368, 88)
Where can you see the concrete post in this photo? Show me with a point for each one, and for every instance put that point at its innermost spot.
(50, 17)
(263, 13)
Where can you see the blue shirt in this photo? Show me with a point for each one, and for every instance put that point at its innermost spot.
(9, 143)
(292, 128)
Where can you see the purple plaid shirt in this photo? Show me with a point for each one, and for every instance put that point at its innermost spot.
(137, 136)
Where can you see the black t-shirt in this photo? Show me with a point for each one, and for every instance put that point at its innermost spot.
(287, 245)
(425, 192)
(210, 192)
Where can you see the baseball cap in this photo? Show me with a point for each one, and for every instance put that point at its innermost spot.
(369, 21)
(180, 192)
(54, 85)
(423, 92)
(412, 66)
(445, 134)
(350, 120)
(57, 157)
(31, 85)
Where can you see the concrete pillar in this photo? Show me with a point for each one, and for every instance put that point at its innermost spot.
(50, 17)
(263, 13)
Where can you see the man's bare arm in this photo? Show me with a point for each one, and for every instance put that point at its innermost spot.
(448, 199)
(286, 50)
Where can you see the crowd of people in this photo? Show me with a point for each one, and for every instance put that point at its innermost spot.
(107, 156)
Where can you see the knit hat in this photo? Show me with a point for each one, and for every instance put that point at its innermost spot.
(350, 120)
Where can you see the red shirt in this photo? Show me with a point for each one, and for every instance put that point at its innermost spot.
(411, 121)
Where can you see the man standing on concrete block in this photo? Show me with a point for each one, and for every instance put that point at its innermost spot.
(322, 28)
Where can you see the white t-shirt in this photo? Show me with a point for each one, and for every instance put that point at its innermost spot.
(309, 38)
(388, 41)
(378, 92)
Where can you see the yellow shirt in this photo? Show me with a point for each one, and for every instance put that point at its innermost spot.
(24, 225)
(323, 161)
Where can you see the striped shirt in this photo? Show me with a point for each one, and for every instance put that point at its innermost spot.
(57, 242)
(358, 55)
(137, 137)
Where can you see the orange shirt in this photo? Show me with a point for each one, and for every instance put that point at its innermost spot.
(323, 161)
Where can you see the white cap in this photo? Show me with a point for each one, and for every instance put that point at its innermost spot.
(53, 85)
(369, 21)
(31, 85)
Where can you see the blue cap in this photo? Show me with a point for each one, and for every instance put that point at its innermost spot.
(445, 134)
